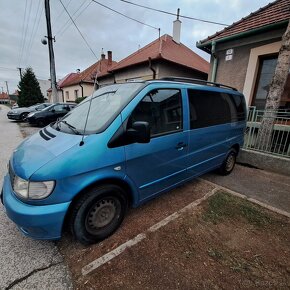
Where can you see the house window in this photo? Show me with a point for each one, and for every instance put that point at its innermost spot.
(267, 66)
(76, 93)
(67, 95)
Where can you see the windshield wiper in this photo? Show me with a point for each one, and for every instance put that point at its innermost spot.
(70, 126)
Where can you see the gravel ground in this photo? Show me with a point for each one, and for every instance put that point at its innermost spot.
(25, 263)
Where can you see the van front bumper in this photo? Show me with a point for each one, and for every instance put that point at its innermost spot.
(38, 222)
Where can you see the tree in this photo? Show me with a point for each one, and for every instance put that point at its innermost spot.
(275, 93)
(30, 93)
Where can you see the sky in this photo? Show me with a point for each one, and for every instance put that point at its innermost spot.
(23, 25)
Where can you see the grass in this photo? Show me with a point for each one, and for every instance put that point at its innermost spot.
(223, 205)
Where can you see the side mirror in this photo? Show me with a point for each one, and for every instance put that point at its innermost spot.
(52, 110)
(139, 133)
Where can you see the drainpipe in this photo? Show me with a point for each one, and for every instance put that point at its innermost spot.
(80, 84)
(153, 70)
(215, 62)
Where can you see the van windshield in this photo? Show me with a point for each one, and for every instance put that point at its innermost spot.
(106, 103)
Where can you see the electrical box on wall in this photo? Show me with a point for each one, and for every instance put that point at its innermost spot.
(229, 54)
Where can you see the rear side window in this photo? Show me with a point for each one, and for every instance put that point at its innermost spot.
(209, 108)
(162, 109)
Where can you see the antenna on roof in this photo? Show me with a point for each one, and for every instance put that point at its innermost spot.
(159, 32)
(177, 15)
(87, 117)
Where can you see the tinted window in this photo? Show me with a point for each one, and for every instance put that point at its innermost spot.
(162, 109)
(213, 108)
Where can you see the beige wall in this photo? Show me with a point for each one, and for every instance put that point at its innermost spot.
(241, 71)
(253, 66)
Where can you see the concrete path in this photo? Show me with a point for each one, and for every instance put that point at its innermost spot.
(24, 263)
(270, 188)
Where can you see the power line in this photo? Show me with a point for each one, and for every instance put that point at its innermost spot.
(78, 30)
(37, 27)
(68, 22)
(32, 32)
(26, 30)
(22, 34)
(170, 13)
(60, 14)
(126, 15)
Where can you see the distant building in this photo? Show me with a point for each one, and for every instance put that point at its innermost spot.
(81, 84)
(4, 98)
(44, 86)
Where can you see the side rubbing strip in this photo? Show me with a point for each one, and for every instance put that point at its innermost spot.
(43, 136)
(48, 133)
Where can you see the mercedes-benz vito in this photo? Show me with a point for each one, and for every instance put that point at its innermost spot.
(122, 146)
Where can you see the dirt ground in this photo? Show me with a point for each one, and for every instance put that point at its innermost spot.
(225, 243)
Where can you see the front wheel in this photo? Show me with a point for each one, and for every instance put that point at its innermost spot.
(229, 163)
(98, 213)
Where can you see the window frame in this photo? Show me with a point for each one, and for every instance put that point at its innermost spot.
(181, 106)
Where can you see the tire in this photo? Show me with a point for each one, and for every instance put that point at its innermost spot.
(98, 214)
(23, 116)
(229, 163)
(40, 123)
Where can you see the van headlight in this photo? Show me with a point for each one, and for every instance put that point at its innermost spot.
(32, 190)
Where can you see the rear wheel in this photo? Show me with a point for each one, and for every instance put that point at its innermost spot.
(98, 213)
(229, 163)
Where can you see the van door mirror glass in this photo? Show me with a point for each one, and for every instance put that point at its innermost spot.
(139, 132)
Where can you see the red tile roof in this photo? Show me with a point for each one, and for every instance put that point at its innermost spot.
(4, 96)
(165, 48)
(275, 12)
(102, 67)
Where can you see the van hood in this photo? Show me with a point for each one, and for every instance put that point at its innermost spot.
(41, 148)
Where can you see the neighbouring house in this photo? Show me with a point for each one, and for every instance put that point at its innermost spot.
(44, 86)
(81, 84)
(244, 54)
(62, 82)
(165, 56)
(4, 98)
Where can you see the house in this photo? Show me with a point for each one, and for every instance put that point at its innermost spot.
(60, 84)
(44, 86)
(81, 84)
(244, 54)
(165, 56)
(4, 98)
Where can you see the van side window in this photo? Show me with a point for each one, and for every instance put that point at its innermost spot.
(162, 109)
(209, 108)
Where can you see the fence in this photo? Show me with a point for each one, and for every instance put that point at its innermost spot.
(279, 142)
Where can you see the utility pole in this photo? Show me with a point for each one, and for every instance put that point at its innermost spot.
(50, 40)
(20, 73)
(7, 87)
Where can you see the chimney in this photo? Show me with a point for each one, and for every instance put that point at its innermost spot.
(103, 56)
(109, 57)
(176, 28)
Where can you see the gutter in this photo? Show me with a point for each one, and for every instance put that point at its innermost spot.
(215, 62)
(80, 84)
(205, 46)
(153, 70)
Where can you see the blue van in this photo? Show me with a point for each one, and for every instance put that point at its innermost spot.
(122, 146)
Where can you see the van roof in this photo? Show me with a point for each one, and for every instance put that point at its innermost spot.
(193, 81)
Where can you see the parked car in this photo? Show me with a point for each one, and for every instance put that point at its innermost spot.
(122, 146)
(21, 113)
(15, 106)
(50, 114)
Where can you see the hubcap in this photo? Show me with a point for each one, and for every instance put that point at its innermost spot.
(230, 162)
(101, 214)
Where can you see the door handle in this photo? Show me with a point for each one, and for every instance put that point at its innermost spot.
(180, 145)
